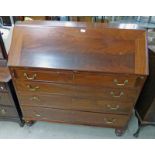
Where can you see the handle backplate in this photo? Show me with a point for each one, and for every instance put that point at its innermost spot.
(113, 107)
(120, 84)
(109, 121)
(30, 78)
(116, 96)
(32, 88)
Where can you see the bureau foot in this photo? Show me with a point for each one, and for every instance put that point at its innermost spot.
(119, 132)
(22, 123)
(29, 123)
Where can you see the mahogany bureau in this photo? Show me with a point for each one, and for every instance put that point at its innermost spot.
(78, 73)
(9, 106)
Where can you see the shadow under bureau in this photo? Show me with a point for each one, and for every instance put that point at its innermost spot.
(82, 73)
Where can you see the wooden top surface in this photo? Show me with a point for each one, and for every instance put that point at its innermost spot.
(78, 47)
(4, 74)
(37, 23)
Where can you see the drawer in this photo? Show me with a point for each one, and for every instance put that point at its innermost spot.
(6, 111)
(74, 117)
(38, 75)
(3, 87)
(113, 80)
(83, 78)
(5, 99)
(75, 103)
(79, 91)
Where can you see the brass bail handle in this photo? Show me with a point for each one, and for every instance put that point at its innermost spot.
(1, 87)
(109, 121)
(3, 111)
(30, 78)
(120, 84)
(32, 88)
(113, 108)
(117, 96)
(35, 98)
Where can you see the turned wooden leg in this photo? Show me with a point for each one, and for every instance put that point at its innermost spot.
(29, 123)
(119, 132)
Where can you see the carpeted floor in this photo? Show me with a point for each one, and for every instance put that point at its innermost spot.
(55, 131)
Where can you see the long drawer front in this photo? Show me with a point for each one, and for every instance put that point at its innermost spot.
(5, 99)
(7, 111)
(76, 77)
(75, 103)
(75, 117)
(78, 91)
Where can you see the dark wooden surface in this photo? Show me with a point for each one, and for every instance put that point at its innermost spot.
(109, 50)
(77, 90)
(7, 111)
(5, 99)
(75, 117)
(9, 106)
(77, 75)
(145, 106)
(75, 103)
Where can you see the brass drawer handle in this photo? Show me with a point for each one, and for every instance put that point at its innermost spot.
(38, 115)
(3, 111)
(142, 77)
(1, 87)
(117, 96)
(58, 72)
(110, 121)
(120, 84)
(30, 78)
(113, 108)
(35, 98)
(32, 88)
